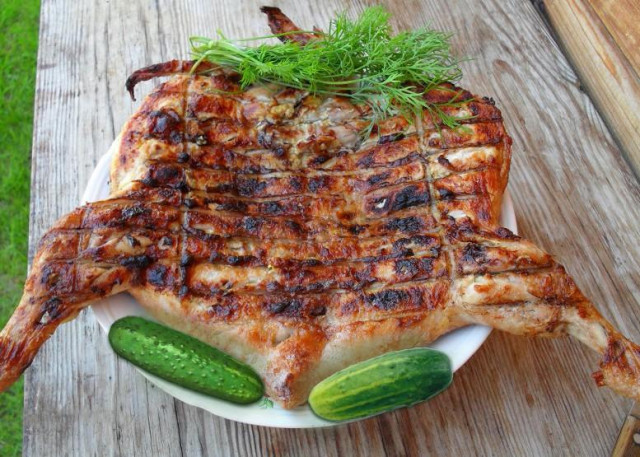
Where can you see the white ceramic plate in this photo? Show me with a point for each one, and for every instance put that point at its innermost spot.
(459, 345)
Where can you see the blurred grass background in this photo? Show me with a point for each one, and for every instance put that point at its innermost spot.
(18, 48)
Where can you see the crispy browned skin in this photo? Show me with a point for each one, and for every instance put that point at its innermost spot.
(170, 68)
(280, 23)
(265, 224)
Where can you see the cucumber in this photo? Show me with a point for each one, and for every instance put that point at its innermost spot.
(390, 381)
(184, 360)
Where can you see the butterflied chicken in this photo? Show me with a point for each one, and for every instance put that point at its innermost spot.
(265, 222)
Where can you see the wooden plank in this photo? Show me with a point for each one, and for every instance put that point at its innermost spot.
(72, 396)
(628, 442)
(601, 39)
(621, 18)
(573, 191)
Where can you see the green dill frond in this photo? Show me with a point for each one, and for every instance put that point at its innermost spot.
(358, 59)
(266, 403)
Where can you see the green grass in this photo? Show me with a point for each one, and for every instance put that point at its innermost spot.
(18, 46)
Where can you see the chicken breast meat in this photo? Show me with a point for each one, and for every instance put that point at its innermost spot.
(265, 223)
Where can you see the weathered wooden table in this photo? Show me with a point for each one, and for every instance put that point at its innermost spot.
(574, 194)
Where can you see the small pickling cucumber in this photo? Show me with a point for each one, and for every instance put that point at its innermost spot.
(184, 360)
(390, 381)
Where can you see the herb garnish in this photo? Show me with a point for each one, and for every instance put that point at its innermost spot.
(358, 59)
(266, 403)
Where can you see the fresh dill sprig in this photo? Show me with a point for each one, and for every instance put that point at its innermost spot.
(266, 403)
(358, 59)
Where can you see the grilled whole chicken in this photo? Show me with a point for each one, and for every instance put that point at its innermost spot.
(265, 223)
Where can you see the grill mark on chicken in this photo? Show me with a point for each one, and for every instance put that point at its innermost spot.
(265, 226)
(140, 258)
(265, 217)
(305, 280)
(404, 254)
(330, 308)
(246, 193)
(280, 162)
(321, 177)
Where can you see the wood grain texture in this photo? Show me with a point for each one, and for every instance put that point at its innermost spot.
(574, 194)
(601, 39)
(621, 17)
